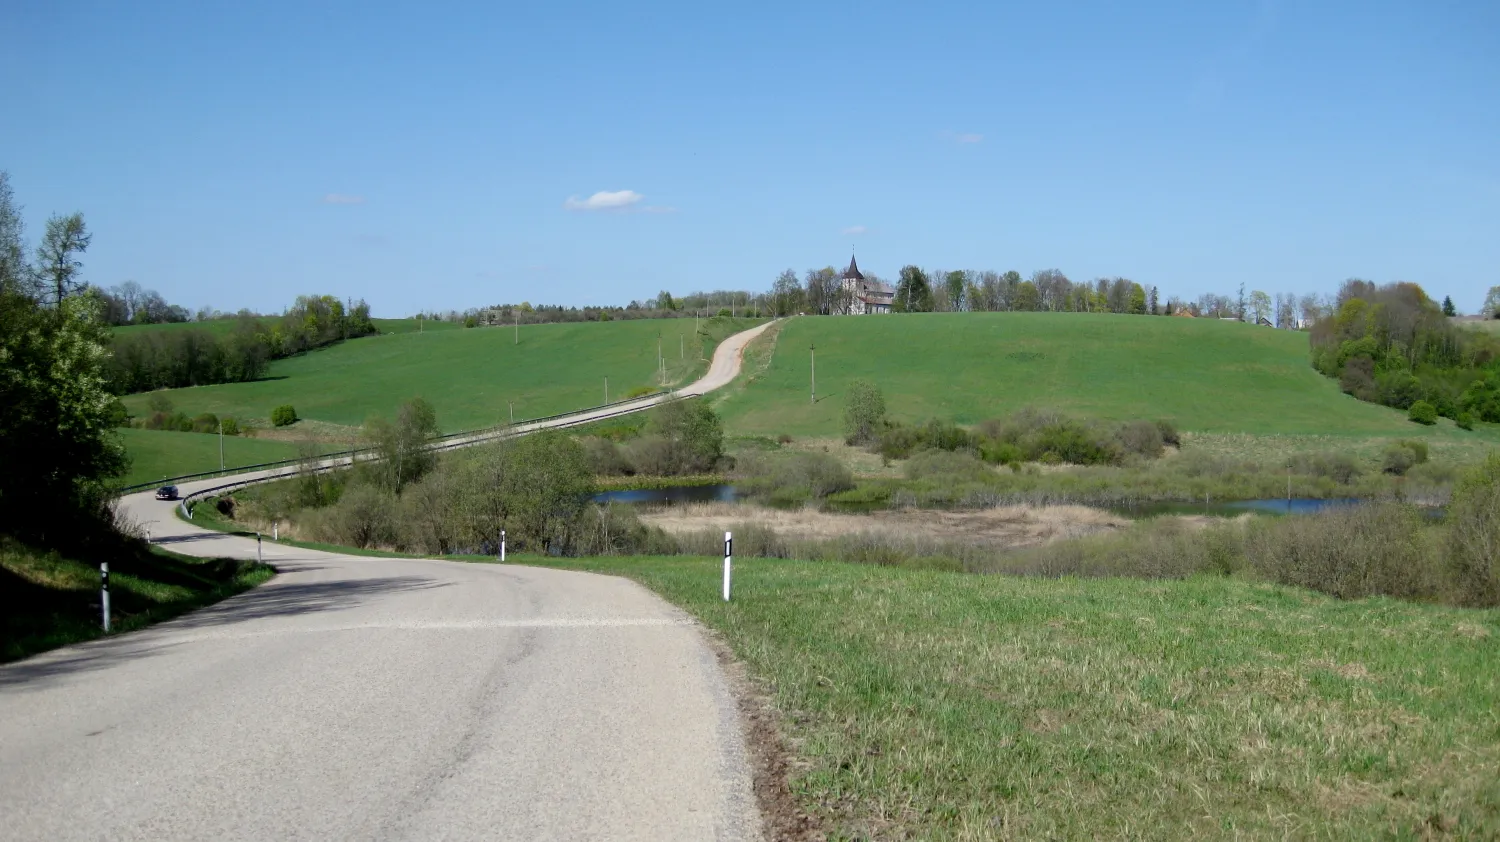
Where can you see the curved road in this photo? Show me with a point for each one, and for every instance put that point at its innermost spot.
(366, 698)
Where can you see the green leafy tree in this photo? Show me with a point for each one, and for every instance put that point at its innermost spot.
(956, 284)
(405, 445)
(57, 257)
(1260, 305)
(1423, 412)
(692, 435)
(1137, 299)
(913, 292)
(55, 416)
(1491, 306)
(15, 274)
(864, 409)
(1027, 297)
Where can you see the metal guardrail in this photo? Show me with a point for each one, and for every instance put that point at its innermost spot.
(448, 441)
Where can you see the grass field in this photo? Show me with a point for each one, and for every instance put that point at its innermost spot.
(156, 454)
(467, 375)
(47, 600)
(1204, 375)
(944, 706)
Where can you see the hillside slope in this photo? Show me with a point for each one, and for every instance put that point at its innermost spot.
(1206, 376)
(469, 376)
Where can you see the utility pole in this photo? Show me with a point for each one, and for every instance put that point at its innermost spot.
(661, 366)
(512, 412)
(221, 444)
(812, 358)
(518, 326)
(681, 347)
(606, 390)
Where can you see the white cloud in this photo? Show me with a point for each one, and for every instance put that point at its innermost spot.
(342, 199)
(969, 137)
(854, 230)
(605, 200)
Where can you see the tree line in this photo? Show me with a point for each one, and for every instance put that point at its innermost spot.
(192, 356)
(1392, 344)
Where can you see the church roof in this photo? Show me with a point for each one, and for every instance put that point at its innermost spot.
(852, 273)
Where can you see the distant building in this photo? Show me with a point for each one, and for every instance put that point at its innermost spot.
(865, 296)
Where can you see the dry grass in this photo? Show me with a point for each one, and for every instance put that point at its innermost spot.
(1003, 527)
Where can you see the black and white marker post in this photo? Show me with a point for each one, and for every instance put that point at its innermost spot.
(104, 592)
(728, 561)
(502, 545)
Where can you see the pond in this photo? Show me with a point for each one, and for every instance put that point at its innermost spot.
(722, 493)
(1231, 508)
(726, 493)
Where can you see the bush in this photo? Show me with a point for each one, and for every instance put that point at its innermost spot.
(1473, 546)
(683, 437)
(206, 423)
(783, 439)
(605, 458)
(1401, 456)
(946, 466)
(1464, 420)
(363, 517)
(793, 477)
(283, 415)
(898, 441)
(1350, 552)
(1423, 412)
(864, 410)
(723, 311)
(231, 426)
(1339, 467)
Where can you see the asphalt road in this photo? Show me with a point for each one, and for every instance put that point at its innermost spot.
(365, 698)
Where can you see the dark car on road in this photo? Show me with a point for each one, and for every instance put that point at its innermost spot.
(166, 492)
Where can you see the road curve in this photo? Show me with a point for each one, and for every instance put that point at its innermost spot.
(367, 698)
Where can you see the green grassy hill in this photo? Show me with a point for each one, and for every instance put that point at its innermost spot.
(1204, 375)
(157, 454)
(467, 375)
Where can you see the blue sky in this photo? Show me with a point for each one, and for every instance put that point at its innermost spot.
(424, 155)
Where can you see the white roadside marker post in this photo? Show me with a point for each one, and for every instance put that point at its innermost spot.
(275, 530)
(257, 548)
(728, 561)
(502, 545)
(104, 592)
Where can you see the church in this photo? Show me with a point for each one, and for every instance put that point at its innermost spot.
(865, 296)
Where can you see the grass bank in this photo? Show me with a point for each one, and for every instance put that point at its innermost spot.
(944, 706)
(48, 600)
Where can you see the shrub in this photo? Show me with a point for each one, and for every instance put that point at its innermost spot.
(1358, 378)
(864, 410)
(1349, 552)
(1423, 412)
(1465, 421)
(791, 477)
(363, 517)
(784, 439)
(159, 402)
(283, 415)
(723, 311)
(947, 466)
(206, 423)
(231, 426)
(640, 392)
(1473, 546)
(605, 458)
(683, 437)
(1143, 438)
(1169, 434)
(898, 441)
(1402, 455)
(1339, 467)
